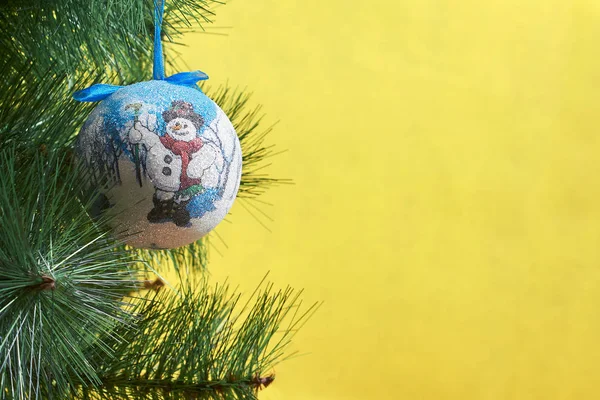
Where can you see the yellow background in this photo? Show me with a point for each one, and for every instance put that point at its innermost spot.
(446, 205)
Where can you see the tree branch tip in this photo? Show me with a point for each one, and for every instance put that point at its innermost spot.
(48, 283)
(156, 284)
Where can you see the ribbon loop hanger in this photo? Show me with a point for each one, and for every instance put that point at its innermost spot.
(100, 91)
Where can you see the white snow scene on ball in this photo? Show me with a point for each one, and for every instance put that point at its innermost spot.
(170, 160)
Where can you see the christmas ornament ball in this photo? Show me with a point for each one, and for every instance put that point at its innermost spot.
(169, 160)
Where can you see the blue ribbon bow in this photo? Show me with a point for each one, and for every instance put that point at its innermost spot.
(100, 91)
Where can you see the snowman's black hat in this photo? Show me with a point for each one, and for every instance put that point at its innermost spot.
(183, 109)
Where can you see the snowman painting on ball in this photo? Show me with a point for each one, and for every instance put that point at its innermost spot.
(179, 163)
(167, 162)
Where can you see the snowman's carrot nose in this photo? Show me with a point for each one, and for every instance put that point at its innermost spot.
(177, 126)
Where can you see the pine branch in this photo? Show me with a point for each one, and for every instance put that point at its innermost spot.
(98, 35)
(36, 111)
(198, 343)
(61, 279)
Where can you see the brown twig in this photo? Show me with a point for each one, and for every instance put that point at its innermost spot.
(156, 284)
(48, 283)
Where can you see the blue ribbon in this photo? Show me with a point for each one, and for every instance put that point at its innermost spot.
(158, 72)
(100, 91)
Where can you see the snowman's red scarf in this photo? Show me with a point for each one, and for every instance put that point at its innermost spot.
(185, 150)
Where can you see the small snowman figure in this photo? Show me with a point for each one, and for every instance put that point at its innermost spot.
(175, 162)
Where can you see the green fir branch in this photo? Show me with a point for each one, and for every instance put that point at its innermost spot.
(36, 111)
(200, 343)
(100, 35)
(185, 260)
(61, 280)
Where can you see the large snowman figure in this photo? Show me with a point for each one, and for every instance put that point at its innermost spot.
(179, 163)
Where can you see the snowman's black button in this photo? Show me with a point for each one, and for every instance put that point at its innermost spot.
(168, 159)
(166, 171)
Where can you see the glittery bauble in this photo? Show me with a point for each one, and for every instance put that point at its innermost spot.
(170, 162)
